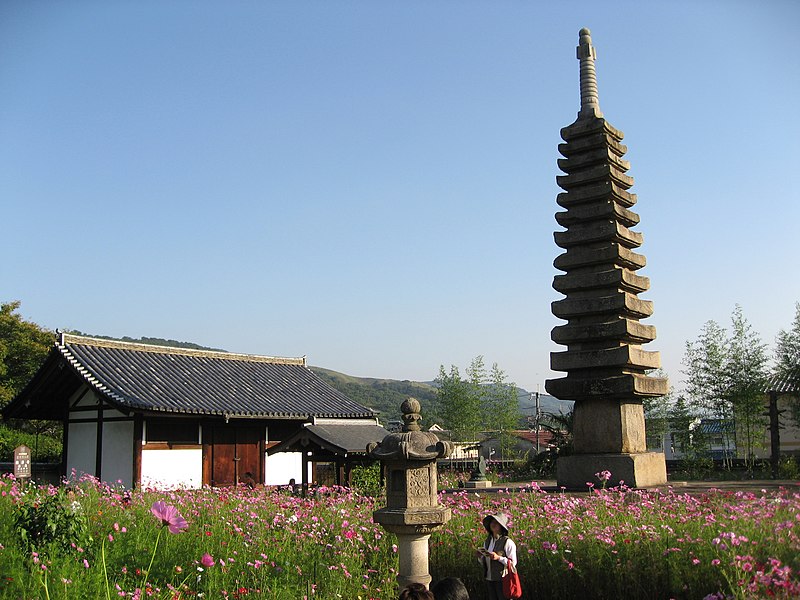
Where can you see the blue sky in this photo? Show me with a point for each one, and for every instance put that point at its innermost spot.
(372, 184)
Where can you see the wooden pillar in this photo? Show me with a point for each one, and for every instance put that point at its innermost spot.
(138, 431)
(304, 488)
(98, 456)
(774, 433)
(65, 446)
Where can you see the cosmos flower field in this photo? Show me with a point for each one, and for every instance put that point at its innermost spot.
(90, 540)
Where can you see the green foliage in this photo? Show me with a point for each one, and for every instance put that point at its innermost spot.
(366, 480)
(656, 415)
(459, 404)
(501, 409)
(383, 395)
(51, 523)
(788, 468)
(745, 376)
(478, 401)
(787, 359)
(23, 347)
(726, 373)
(45, 448)
(681, 418)
(787, 346)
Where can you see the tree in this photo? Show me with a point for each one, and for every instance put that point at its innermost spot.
(23, 347)
(726, 374)
(477, 402)
(459, 407)
(744, 376)
(705, 360)
(787, 346)
(681, 421)
(501, 408)
(656, 415)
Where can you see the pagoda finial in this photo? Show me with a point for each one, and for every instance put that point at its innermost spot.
(590, 101)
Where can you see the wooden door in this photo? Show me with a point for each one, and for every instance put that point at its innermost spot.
(231, 453)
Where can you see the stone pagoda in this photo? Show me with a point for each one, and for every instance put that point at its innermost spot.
(604, 361)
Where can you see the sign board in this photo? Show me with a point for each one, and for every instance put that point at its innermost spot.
(22, 462)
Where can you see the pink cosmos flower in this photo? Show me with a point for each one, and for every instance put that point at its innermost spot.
(169, 516)
(207, 561)
(603, 475)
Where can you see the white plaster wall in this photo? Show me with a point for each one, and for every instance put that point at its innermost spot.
(117, 452)
(81, 448)
(283, 466)
(90, 399)
(168, 469)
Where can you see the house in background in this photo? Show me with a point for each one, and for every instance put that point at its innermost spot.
(172, 417)
(783, 391)
(718, 439)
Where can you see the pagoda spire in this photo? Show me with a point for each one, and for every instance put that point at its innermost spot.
(590, 99)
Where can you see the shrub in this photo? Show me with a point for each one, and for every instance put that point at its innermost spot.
(366, 480)
(50, 521)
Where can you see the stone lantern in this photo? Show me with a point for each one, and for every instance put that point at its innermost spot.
(412, 508)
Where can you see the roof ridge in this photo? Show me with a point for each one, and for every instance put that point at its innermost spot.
(69, 338)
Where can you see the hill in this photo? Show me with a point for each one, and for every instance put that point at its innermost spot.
(383, 395)
(386, 396)
(153, 341)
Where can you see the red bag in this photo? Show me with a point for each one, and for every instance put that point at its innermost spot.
(512, 587)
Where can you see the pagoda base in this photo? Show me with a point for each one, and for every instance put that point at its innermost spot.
(481, 484)
(640, 470)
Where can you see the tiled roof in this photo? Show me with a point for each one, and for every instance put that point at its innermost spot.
(337, 438)
(785, 383)
(176, 380)
(714, 426)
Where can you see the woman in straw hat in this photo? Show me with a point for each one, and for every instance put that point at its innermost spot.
(497, 551)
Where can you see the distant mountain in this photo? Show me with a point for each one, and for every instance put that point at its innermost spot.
(386, 396)
(153, 341)
(383, 395)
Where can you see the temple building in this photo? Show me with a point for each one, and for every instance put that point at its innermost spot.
(170, 417)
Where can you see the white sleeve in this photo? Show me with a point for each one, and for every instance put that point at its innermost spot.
(510, 553)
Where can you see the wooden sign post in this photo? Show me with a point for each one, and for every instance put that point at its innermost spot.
(22, 462)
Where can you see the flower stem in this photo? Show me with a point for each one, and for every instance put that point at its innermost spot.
(105, 570)
(152, 558)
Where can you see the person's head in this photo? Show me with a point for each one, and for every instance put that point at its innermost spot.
(450, 588)
(496, 525)
(416, 591)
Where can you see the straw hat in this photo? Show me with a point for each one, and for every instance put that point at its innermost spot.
(501, 518)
